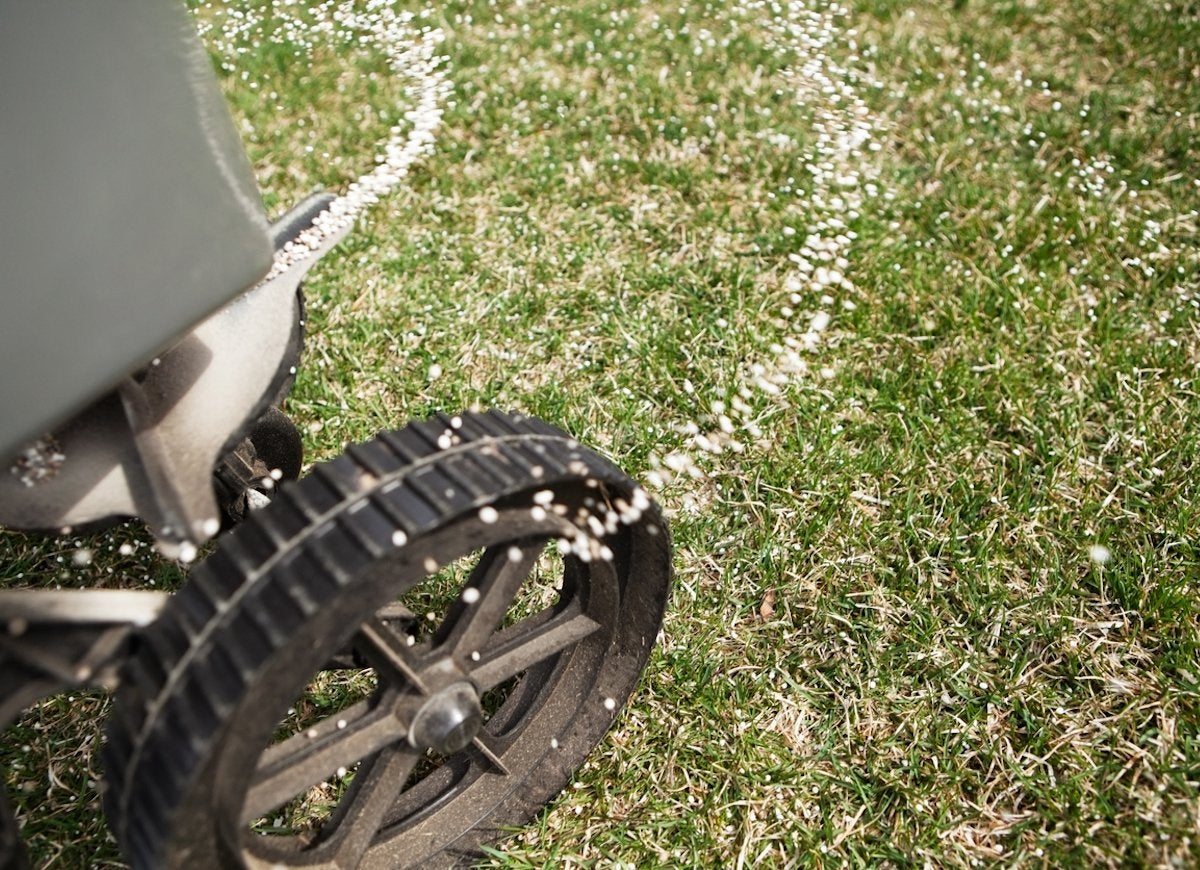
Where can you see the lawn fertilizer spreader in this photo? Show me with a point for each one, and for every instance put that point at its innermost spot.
(480, 591)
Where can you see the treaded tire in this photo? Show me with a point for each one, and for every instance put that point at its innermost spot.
(309, 576)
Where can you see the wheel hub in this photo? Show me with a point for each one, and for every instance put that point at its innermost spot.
(448, 720)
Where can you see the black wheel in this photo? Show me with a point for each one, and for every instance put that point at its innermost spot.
(245, 478)
(503, 586)
(277, 444)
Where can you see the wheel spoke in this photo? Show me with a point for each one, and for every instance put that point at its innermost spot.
(495, 580)
(362, 809)
(317, 753)
(519, 647)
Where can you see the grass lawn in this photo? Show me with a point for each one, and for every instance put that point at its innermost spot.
(894, 306)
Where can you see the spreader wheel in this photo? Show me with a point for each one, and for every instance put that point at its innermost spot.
(405, 652)
(244, 478)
